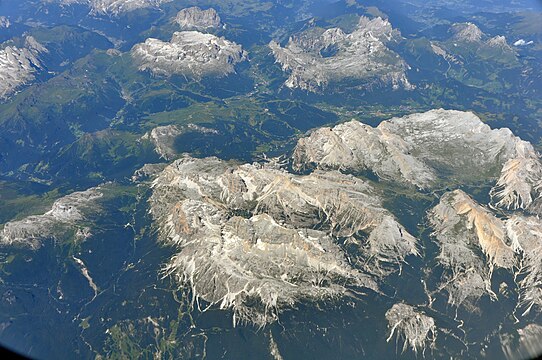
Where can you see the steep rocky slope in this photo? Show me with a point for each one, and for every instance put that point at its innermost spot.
(428, 150)
(317, 57)
(67, 215)
(163, 137)
(246, 234)
(112, 7)
(189, 53)
(194, 18)
(19, 65)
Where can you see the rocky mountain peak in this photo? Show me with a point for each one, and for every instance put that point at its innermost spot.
(194, 18)
(252, 228)
(500, 42)
(112, 7)
(467, 32)
(416, 148)
(318, 57)
(19, 65)
(189, 53)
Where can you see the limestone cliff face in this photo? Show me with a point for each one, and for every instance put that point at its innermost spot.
(189, 53)
(317, 57)
(66, 215)
(470, 33)
(258, 232)
(261, 238)
(474, 240)
(112, 7)
(224, 218)
(194, 18)
(440, 149)
(467, 32)
(19, 65)
(163, 137)
(430, 149)
(415, 328)
(525, 233)
(467, 42)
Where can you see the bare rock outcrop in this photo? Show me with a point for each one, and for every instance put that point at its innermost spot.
(418, 149)
(472, 242)
(524, 343)
(19, 65)
(112, 7)
(470, 33)
(468, 40)
(191, 54)
(194, 18)
(4, 22)
(258, 234)
(416, 329)
(67, 215)
(163, 137)
(318, 57)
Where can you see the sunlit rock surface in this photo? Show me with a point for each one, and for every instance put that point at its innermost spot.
(189, 53)
(470, 33)
(112, 7)
(467, 32)
(413, 327)
(18, 66)
(66, 215)
(147, 171)
(520, 182)
(429, 149)
(163, 137)
(468, 40)
(247, 240)
(4, 22)
(526, 239)
(536, 207)
(317, 57)
(472, 241)
(194, 18)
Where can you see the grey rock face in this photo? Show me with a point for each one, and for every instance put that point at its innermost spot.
(18, 66)
(464, 231)
(474, 241)
(467, 38)
(418, 148)
(4, 22)
(440, 149)
(147, 171)
(318, 57)
(526, 239)
(467, 32)
(520, 182)
(245, 233)
(112, 7)
(66, 214)
(194, 18)
(536, 207)
(189, 53)
(415, 328)
(470, 33)
(163, 137)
